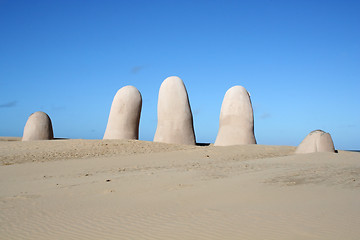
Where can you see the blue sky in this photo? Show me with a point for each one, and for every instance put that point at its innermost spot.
(300, 61)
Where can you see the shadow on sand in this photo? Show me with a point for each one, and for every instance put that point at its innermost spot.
(203, 144)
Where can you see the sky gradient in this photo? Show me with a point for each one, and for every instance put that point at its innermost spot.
(300, 61)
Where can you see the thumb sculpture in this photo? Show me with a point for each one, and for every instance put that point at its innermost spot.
(236, 124)
(124, 117)
(316, 141)
(175, 121)
(38, 127)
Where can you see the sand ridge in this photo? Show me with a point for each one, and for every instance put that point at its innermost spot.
(13, 151)
(17, 152)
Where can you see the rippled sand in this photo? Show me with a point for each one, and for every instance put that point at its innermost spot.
(94, 189)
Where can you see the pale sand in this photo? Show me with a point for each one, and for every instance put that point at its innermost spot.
(60, 190)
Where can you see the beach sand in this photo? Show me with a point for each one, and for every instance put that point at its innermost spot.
(111, 189)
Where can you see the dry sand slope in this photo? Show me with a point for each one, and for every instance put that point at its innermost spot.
(93, 189)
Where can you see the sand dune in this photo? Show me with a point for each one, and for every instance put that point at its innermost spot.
(94, 189)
